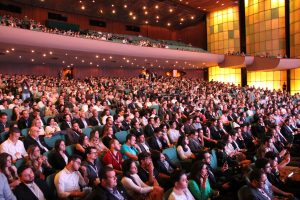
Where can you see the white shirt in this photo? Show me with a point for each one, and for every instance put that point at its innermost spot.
(175, 195)
(67, 182)
(184, 155)
(9, 147)
(36, 190)
(173, 135)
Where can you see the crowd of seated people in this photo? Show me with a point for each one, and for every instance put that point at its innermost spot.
(26, 23)
(117, 138)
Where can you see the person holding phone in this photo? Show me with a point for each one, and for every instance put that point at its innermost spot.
(198, 184)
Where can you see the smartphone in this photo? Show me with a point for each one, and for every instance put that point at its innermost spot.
(290, 174)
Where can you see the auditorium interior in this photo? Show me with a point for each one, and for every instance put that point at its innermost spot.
(150, 99)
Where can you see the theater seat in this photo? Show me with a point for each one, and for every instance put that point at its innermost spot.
(167, 194)
(51, 141)
(172, 154)
(19, 162)
(214, 159)
(121, 136)
(24, 132)
(87, 131)
(3, 136)
(241, 192)
(70, 150)
(51, 186)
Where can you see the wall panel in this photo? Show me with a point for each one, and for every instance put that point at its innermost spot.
(227, 75)
(271, 80)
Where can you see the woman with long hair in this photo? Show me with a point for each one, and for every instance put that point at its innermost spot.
(9, 170)
(135, 187)
(183, 150)
(59, 158)
(15, 114)
(51, 128)
(198, 184)
(39, 163)
(96, 142)
(80, 147)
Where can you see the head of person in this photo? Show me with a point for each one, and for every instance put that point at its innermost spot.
(258, 178)
(34, 132)
(91, 153)
(108, 177)
(34, 152)
(263, 164)
(144, 159)
(14, 134)
(74, 163)
(25, 114)
(199, 170)
(50, 121)
(205, 157)
(129, 168)
(194, 134)
(26, 174)
(60, 145)
(67, 117)
(114, 145)
(3, 118)
(183, 141)
(158, 132)
(268, 140)
(179, 179)
(5, 161)
(273, 160)
(83, 140)
(130, 140)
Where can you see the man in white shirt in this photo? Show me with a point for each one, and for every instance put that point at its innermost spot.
(13, 145)
(69, 180)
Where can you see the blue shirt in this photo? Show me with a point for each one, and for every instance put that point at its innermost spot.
(125, 148)
(5, 191)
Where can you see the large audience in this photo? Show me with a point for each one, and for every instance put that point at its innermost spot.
(165, 138)
(30, 24)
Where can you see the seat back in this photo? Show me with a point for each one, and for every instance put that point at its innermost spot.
(70, 150)
(87, 131)
(51, 185)
(3, 136)
(8, 112)
(214, 159)
(24, 132)
(51, 141)
(172, 154)
(121, 136)
(167, 194)
(241, 192)
(19, 162)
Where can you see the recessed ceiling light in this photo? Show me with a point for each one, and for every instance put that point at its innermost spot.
(101, 11)
(157, 17)
(125, 6)
(156, 7)
(130, 13)
(44, 55)
(82, 7)
(144, 7)
(76, 57)
(217, 2)
(222, 4)
(146, 12)
(170, 10)
(168, 24)
(82, 61)
(63, 62)
(12, 49)
(20, 57)
(134, 17)
(192, 17)
(146, 22)
(32, 60)
(113, 11)
(91, 63)
(103, 59)
(97, 56)
(32, 51)
(66, 54)
(110, 57)
(112, 5)
(7, 51)
(182, 19)
(50, 52)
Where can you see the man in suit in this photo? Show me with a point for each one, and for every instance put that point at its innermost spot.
(136, 129)
(149, 128)
(142, 143)
(288, 132)
(126, 123)
(31, 188)
(66, 123)
(108, 189)
(83, 122)
(94, 120)
(35, 139)
(4, 126)
(156, 142)
(194, 142)
(24, 121)
(214, 131)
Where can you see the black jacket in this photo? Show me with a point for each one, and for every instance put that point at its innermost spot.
(22, 192)
(103, 194)
(30, 141)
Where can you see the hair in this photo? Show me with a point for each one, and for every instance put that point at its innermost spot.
(57, 144)
(23, 168)
(261, 163)
(88, 150)
(111, 142)
(256, 175)
(126, 167)
(176, 175)
(266, 139)
(13, 130)
(93, 133)
(49, 120)
(155, 155)
(81, 139)
(74, 158)
(196, 171)
(129, 136)
(103, 172)
(270, 155)
(14, 114)
(3, 160)
(157, 130)
(30, 151)
(3, 114)
(201, 154)
(181, 142)
(143, 156)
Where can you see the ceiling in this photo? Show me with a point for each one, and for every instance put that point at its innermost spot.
(173, 14)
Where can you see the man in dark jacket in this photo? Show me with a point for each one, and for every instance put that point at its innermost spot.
(108, 189)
